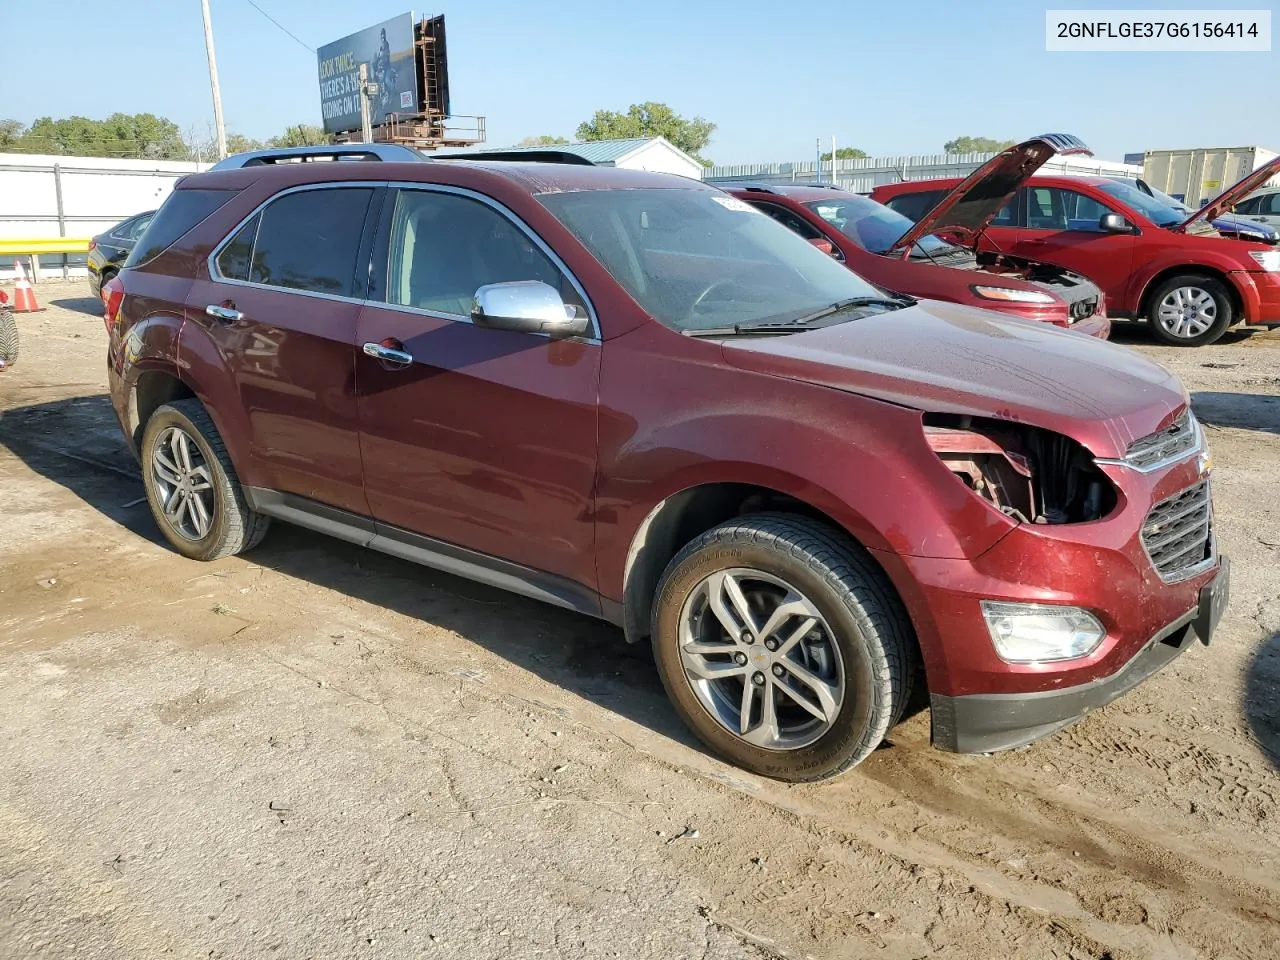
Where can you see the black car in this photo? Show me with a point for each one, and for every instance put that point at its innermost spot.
(108, 251)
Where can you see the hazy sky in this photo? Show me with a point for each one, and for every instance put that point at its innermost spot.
(889, 77)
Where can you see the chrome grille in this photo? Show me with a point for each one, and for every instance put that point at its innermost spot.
(1177, 533)
(1172, 443)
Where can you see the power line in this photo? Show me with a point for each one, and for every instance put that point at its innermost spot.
(281, 26)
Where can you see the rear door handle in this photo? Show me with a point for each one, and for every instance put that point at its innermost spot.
(229, 314)
(401, 358)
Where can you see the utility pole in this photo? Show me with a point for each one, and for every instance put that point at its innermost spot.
(367, 92)
(213, 82)
(833, 161)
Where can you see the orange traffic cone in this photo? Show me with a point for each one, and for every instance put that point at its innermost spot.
(24, 298)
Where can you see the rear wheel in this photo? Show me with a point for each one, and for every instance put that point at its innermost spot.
(8, 338)
(192, 488)
(1189, 311)
(782, 646)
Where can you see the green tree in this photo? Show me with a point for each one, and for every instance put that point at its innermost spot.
(239, 143)
(542, 141)
(120, 135)
(847, 153)
(301, 135)
(11, 132)
(651, 120)
(976, 145)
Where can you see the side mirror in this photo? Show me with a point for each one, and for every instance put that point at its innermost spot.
(527, 306)
(1113, 223)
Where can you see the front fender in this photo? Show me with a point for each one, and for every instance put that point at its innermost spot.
(1175, 259)
(863, 463)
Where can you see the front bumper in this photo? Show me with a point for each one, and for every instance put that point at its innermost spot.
(986, 723)
(1260, 293)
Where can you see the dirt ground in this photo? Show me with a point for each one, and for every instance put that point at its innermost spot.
(317, 751)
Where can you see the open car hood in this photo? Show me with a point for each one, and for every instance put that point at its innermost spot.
(1234, 193)
(965, 212)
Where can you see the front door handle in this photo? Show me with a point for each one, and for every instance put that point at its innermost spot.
(400, 358)
(229, 314)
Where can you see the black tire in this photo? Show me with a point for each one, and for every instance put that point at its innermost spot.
(234, 527)
(104, 278)
(1223, 310)
(868, 624)
(8, 338)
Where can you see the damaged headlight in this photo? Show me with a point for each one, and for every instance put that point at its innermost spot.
(1028, 473)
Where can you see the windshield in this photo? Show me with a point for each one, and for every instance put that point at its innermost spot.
(873, 226)
(1157, 211)
(697, 259)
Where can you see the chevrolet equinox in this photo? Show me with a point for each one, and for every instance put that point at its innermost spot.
(635, 396)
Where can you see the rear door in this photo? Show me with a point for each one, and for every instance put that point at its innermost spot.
(281, 303)
(482, 438)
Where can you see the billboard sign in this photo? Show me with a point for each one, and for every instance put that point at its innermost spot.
(388, 50)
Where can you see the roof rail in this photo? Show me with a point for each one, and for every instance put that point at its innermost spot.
(522, 156)
(386, 152)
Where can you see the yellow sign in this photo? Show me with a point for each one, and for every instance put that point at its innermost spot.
(1213, 184)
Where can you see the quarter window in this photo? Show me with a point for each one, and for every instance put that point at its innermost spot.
(444, 247)
(303, 241)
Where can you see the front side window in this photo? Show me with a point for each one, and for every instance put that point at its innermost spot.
(697, 259)
(913, 206)
(1269, 205)
(790, 220)
(1056, 208)
(445, 246)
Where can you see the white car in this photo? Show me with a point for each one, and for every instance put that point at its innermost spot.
(1263, 206)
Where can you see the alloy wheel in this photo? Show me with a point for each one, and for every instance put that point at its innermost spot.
(761, 659)
(1187, 312)
(183, 484)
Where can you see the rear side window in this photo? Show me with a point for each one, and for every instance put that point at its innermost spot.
(303, 241)
(913, 206)
(182, 211)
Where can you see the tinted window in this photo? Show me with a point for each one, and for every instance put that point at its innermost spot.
(1252, 205)
(913, 206)
(444, 247)
(182, 211)
(1269, 205)
(791, 221)
(233, 261)
(310, 240)
(697, 259)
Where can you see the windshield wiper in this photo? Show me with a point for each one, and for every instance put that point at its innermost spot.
(748, 329)
(894, 303)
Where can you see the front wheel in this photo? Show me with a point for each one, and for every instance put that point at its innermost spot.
(782, 646)
(1189, 311)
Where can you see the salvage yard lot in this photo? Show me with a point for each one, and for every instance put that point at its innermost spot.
(318, 751)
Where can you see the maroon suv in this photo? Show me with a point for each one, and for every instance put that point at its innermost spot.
(883, 246)
(634, 396)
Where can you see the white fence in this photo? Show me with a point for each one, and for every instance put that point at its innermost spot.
(54, 196)
(862, 176)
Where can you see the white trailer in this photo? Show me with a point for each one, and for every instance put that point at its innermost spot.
(1197, 176)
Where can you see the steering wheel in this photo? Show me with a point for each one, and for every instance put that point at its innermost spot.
(713, 285)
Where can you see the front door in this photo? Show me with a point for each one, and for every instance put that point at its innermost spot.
(284, 319)
(1061, 226)
(482, 438)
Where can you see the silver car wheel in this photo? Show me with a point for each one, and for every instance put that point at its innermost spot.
(183, 484)
(761, 659)
(1187, 312)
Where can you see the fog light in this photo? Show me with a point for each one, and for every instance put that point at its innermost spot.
(1039, 632)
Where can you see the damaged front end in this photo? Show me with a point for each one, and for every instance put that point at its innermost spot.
(1030, 474)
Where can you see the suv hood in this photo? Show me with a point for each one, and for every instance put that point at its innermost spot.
(946, 358)
(967, 210)
(1237, 191)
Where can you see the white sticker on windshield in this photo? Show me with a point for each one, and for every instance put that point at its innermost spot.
(733, 203)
